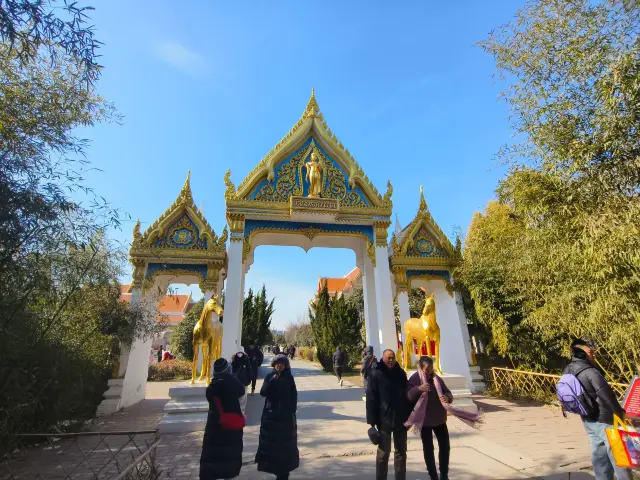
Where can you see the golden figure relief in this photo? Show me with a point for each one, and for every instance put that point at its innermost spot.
(314, 175)
(424, 330)
(208, 334)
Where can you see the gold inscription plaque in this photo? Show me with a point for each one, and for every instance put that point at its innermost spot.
(310, 204)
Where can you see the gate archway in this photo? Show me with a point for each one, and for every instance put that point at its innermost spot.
(309, 191)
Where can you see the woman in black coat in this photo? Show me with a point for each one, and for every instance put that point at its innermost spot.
(222, 449)
(278, 445)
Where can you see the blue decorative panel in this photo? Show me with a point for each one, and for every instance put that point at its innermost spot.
(437, 273)
(299, 227)
(423, 246)
(182, 233)
(290, 180)
(161, 267)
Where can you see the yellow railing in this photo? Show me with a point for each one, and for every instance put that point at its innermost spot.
(532, 385)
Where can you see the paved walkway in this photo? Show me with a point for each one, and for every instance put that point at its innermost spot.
(527, 442)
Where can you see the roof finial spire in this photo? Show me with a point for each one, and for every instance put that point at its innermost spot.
(312, 109)
(185, 193)
(423, 203)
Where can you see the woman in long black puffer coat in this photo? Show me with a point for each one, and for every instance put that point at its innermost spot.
(222, 449)
(278, 445)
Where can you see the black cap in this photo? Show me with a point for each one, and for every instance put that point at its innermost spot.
(578, 342)
(220, 365)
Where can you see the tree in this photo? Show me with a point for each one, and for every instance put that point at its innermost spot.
(558, 256)
(336, 322)
(61, 321)
(256, 318)
(182, 336)
(300, 333)
(30, 26)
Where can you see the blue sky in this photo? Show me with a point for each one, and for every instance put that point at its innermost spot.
(210, 85)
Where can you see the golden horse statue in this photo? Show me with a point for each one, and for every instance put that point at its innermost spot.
(208, 334)
(423, 330)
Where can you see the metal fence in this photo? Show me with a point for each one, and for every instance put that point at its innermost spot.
(532, 385)
(86, 455)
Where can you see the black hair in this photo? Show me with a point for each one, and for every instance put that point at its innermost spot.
(578, 352)
(581, 342)
(425, 360)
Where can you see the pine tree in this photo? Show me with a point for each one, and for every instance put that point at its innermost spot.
(256, 318)
(248, 325)
(319, 315)
(336, 322)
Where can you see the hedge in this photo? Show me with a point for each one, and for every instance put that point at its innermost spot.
(170, 370)
(306, 353)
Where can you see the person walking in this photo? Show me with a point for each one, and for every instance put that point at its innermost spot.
(242, 371)
(222, 444)
(600, 405)
(292, 352)
(160, 354)
(429, 416)
(387, 410)
(256, 357)
(339, 362)
(278, 442)
(369, 362)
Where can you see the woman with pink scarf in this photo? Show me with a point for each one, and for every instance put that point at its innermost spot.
(429, 416)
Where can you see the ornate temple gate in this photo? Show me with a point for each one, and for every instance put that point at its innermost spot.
(310, 192)
(421, 255)
(180, 247)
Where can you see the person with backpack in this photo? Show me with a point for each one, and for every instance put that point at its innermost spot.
(583, 390)
(222, 443)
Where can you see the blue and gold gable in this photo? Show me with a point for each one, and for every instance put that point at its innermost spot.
(423, 239)
(422, 250)
(309, 162)
(180, 241)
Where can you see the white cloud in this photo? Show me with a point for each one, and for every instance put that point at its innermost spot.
(180, 57)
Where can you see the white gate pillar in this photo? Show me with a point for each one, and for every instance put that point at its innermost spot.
(453, 357)
(405, 312)
(384, 301)
(370, 307)
(233, 297)
(241, 307)
(207, 295)
(464, 327)
(134, 385)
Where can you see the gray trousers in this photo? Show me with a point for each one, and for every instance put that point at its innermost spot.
(601, 455)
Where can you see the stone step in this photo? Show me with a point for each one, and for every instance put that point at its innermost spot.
(115, 382)
(196, 390)
(114, 392)
(181, 423)
(178, 406)
(107, 407)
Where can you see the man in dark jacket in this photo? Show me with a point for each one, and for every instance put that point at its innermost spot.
(604, 405)
(339, 362)
(222, 449)
(387, 410)
(256, 357)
